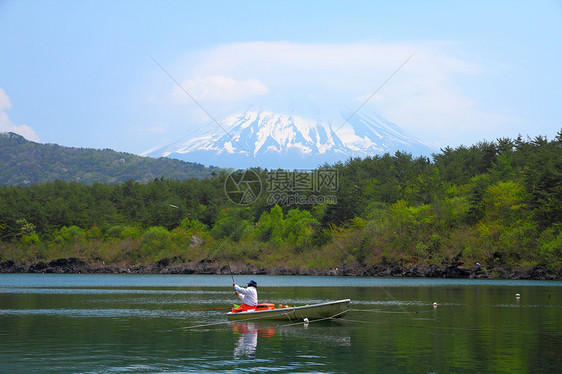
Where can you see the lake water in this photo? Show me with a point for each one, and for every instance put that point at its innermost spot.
(171, 323)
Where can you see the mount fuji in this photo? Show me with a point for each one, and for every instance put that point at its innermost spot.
(268, 139)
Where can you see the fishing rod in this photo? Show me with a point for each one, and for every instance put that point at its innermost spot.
(227, 264)
(220, 246)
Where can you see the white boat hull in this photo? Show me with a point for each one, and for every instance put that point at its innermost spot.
(332, 309)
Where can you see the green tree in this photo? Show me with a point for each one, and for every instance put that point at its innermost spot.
(270, 226)
(233, 224)
(300, 228)
(156, 239)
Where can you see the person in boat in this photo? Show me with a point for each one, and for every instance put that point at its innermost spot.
(248, 295)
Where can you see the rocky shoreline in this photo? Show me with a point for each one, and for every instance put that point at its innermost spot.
(166, 266)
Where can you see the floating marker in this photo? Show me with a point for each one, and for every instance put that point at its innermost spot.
(435, 305)
(517, 295)
(306, 320)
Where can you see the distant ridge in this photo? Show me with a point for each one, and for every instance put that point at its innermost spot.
(25, 162)
(268, 139)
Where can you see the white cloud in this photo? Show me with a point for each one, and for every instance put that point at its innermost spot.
(216, 87)
(425, 97)
(7, 126)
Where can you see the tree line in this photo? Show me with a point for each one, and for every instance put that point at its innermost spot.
(494, 203)
(25, 162)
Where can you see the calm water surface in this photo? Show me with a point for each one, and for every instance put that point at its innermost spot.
(171, 323)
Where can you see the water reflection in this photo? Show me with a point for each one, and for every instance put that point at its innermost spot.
(248, 340)
(326, 334)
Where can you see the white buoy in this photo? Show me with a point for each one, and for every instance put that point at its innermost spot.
(306, 320)
(517, 295)
(435, 305)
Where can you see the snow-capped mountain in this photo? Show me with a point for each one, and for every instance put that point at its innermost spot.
(275, 140)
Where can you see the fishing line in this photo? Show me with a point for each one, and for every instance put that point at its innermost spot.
(395, 312)
(452, 328)
(365, 310)
(366, 322)
(388, 311)
(205, 325)
(396, 301)
(317, 320)
(221, 323)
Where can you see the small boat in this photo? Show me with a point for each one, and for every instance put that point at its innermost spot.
(332, 309)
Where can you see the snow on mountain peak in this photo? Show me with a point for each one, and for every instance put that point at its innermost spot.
(290, 141)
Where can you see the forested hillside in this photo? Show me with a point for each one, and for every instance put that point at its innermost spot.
(493, 209)
(25, 162)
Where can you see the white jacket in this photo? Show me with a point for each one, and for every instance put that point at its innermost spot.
(249, 295)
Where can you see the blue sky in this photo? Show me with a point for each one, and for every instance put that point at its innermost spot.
(80, 73)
